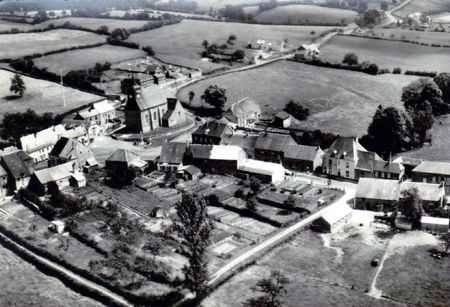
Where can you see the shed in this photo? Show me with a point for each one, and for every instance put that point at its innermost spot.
(337, 215)
(282, 119)
(266, 171)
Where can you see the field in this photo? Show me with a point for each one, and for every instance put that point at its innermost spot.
(306, 14)
(41, 96)
(182, 43)
(204, 5)
(86, 58)
(443, 18)
(8, 25)
(439, 149)
(389, 54)
(95, 23)
(329, 94)
(18, 45)
(335, 270)
(428, 6)
(429, 38)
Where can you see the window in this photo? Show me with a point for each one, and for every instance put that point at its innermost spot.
(154, 115)
(347, 174)
(347, 165)
(147, 118)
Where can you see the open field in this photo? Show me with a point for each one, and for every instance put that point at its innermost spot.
(389, 54)
(430, 38)
(8, 25)
(41, 96)
(154, 13)
(95, 23)
(204, 5)
(86, 58)
(329, 94)
(13, 46)
(428, 7)
(306, 14)
(335, 270)
(439, 149)
(182, 43)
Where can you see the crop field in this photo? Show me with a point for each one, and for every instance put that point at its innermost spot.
(334, 97)
(86, 58)
(429, 38)
(306, 14)
(428, 7)
(13, 46)
(389, 54)
(41, 96)
(334, 270)
(182, 43)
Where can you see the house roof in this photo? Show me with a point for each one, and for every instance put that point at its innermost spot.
(241, 140)
(18, 164)
(302, 152)
(381, 166)
(427, 191)
(336, 212)
(227, 152)
(190, 169)
(260, 167)
(172, 153)
(345, 148)
(55, 173)
(3, 172)
(200, 151)
(122, 155)
(274, 142)
(282, 115)
(42, 139)
(431, 167)
(408, 161)
(96, 109)
(213, 129)
(75, 132)
(172, 104)
(70, 149)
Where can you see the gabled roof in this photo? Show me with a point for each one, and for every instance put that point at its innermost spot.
(302, 152)
(42, 139)
(122, 155)
(431, 167)
(260, 167)
(274, 142)
(70, 149)
(282, 115)
(345, 148)
(200, 151)
(380, 166)
(427, 191)
(213, 129)
(172, 152)
(144, 98)
(18, 164)
(95, 109)
(172, 104)
(55, 173)
(379, 189)
(241, 140)
(336, 212)
(408, 161)
(227, 152)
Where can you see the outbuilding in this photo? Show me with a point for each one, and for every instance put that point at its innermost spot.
(334, 218)
(266, 171)
(435, 224)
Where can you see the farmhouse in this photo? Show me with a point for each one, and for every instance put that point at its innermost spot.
(282, 120)
(433, 172)
(271, 147)
(172, 156)
(124, 159)
(334, 218)
(434, 224)
(303, 158)
(216, 159)
(369, 165)
(244, 113)
(19, 166)
(211, 133)
(101, 113)
(70, 150)
(265, 171)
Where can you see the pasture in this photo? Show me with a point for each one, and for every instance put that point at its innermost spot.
(342, 102)
(14, 46)
(182, 43)
(429, 38)
(427, 7)
(41, 96)
(86, 58)
(306, 14)
(8, 25)
(389, 54)
(95, 23)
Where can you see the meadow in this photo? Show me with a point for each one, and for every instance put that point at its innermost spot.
(389, 54)
(429, 38)
(8, 25)
(182, 43)
(427, 7)
(95, 23)
(87, 58)
(14, 46)
(41, 96)
(340, 101)
(306, 14)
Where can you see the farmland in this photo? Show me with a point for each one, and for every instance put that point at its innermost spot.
(437, 38)
(8, 25)
(335, 270)
(428, 7)
(18, 45)
(306, 14)
(182, 43)
(328, 93)
(86, 58)
(443, 18)
(389, 54)
(95, 23)
(41, 96)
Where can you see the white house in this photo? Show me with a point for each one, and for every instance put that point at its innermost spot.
(245, 113)
(101, 113)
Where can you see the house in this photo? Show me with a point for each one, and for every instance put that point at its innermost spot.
(189, 172)
(433, 172)
(171, 157)
(175, 113)
(270, 147)
(308, 52)
(370, 165)
(3, 183)
(382, 194)
(337, 216)
(216, 159)
(124, 159)
(39, 145)
(265, 171)
(71, 150)
(303, 158)
(211, 133)
(19, 166)
(245, 141)
(101, 113)
(245, 113)
(78, 133)
(282, 120)
(434, 224)
(409, 164)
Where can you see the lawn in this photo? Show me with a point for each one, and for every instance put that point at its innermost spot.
(429, 38)
(306, 14)
(334, 97)
(86, 58)
(182, 43)
(389, 54)
(41, 96)
(13, 46)
(428, 7)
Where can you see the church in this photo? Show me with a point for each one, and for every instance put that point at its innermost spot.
(150, 107)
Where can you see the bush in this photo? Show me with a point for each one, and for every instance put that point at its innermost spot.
(297, 110)
(397, 71)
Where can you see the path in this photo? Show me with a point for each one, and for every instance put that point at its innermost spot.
(390, 17)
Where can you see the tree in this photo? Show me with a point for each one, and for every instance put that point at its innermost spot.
(251, 204)
(289, 203)
(191, 96)
(297, 110)
(194, 226)
(410, 205)
(17, 85)
(214, 95)
(238, 54)
(384, 6)
(350, 59)
(443, 82)
(424, 89)
(102, 30)
(205, 44)
(149, 50)
(272, 290)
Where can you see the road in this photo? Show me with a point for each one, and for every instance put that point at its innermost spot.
(279, 237)
(390, 17)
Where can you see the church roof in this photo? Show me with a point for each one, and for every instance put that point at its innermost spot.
(141, 99)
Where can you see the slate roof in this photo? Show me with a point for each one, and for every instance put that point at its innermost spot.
(244, 141)
(345, 148)
(172, 153)
(431, 167)
(55, 173)
(70, 148)
(213, 129)
(302, 152)
(282, 115)
(171, 105)
(96, 109)
(377, 165)
(274, 142)
(42, 139)
(142, 99)
(122, 155)
(408, 161)
(260, 167)
(18, 164)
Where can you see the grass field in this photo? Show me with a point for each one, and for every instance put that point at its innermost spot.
(430, 38)
(306, 14)
(334, 97)
(182, 43)
(428, 6)
(86, 58)
(41, 96)
(18, 45)
(8, 25)
(389, 54)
